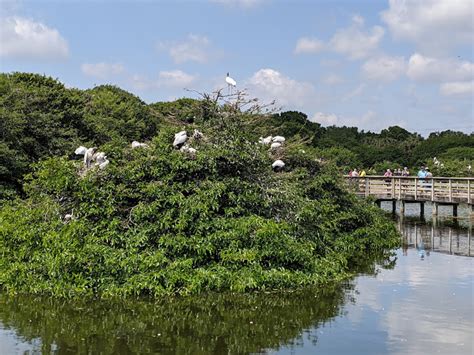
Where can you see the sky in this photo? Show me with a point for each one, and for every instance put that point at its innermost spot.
(365, 63)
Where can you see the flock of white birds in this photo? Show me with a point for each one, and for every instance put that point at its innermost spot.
(92, 158)
(99, 159)
(275, 144)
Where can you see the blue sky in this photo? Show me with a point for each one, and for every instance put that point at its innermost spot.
(369, 64)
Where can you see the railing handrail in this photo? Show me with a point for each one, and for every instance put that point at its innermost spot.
(409, 177)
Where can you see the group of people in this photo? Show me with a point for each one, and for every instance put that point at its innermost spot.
(397, 172)
(423, 173)
(357, 173)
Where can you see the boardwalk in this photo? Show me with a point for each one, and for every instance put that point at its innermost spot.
(439, 190)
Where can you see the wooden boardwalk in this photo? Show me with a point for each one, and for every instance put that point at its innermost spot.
(438, 190)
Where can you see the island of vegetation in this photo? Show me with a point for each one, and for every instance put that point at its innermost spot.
(158, 220)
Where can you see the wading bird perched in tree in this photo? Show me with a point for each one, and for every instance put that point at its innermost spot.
(231, 83)
(136, 144)
(278, 139)
(278, 165)
(80, 150)
(88, 156)
(265, 141)
(179, 139)
(275, 145)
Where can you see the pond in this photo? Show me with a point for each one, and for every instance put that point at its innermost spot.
(419, 302)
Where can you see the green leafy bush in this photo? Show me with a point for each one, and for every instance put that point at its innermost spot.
(159, 221)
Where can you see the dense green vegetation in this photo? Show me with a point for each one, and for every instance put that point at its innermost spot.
(160, 221)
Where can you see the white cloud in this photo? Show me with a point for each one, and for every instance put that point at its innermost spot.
(384, 68)
(457, 88)
(428, 69)
(26, 39)
(102, 70)
(354, 41)
(326, 119)
(175, 78)
(330, 119)
(269, 85)
(431, 24)
(333, 79)
(195, 48)
(308, 45)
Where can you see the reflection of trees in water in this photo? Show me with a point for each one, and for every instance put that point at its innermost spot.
(445, 236)
(207, 324)
(212, 324)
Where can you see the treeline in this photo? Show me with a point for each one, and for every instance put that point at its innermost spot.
(40, 117)
(394, 147)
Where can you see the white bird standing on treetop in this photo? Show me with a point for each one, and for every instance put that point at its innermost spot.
(230, 83)
(179, 139)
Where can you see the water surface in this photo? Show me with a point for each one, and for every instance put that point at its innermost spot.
(419, 303)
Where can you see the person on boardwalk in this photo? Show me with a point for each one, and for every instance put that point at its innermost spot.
(422, 173)
(388, 173)
(405, 172)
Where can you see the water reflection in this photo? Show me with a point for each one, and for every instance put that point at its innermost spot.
(213, 324)
(421, 304)
(442, 237)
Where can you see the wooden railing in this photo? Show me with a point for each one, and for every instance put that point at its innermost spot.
(438, 189)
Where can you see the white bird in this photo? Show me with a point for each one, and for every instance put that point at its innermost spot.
(230, 81)
(80, 150)
(68, 217)
(179, 139)
(275, 145)
(265, 141)
(104, 164)
(136, 144)
(187, 149)
(99, 158)
(278, 139)
(88, 156)
(278, 165)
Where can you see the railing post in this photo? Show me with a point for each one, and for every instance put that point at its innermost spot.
(399, 188)
(450, 191)
(468, 191)
(367, 187)
(416, 188)
(432, 189)
(392, 195)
